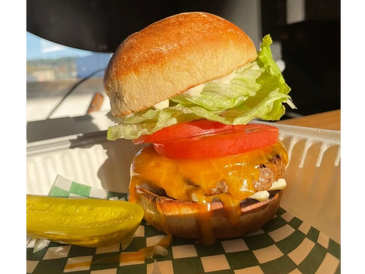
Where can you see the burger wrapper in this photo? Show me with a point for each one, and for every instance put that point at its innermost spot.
(303, 237)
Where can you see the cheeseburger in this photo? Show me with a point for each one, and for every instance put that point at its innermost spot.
(188, 87)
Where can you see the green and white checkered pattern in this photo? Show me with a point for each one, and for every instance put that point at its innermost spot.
(284, 245)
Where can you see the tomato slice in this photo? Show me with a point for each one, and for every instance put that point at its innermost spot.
(184, 130)
(230, 141)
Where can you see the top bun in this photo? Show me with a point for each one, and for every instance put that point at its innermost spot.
(171, 56)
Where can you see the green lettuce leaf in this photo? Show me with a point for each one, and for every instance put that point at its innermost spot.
(255, 91)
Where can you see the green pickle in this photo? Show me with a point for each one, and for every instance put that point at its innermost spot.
(82, 222)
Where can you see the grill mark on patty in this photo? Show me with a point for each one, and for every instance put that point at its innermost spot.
(190, 183)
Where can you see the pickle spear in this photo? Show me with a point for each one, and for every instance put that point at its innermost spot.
(83, 222)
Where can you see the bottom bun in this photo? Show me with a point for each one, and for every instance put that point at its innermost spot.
(205, 223)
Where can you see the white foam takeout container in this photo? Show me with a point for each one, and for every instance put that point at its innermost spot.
(313, 173)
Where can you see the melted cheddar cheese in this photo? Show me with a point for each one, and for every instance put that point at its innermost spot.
(232, 177)
(228, 179)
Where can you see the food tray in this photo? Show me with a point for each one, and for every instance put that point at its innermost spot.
(303, 237)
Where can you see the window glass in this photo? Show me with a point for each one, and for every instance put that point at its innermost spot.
(62, 82)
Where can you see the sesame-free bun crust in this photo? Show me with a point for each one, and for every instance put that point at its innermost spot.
(172, 55)
(186, 219)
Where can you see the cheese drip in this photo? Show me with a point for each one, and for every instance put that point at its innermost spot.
(202, 181)
(232, 177)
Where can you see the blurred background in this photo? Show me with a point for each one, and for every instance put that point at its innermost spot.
(69, 44)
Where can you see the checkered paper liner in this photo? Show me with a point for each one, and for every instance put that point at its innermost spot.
(284, 245)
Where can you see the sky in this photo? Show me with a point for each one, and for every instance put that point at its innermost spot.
(38, 48)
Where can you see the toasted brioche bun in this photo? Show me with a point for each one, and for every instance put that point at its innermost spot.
(171, 56)
(186, 219)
